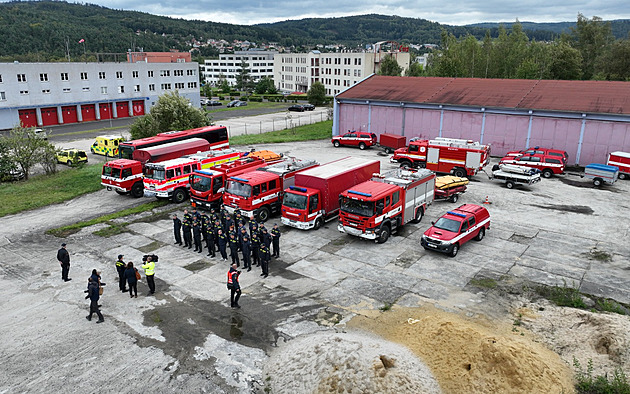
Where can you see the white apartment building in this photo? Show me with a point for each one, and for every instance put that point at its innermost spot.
(259, 63)
(296, 72)
(46, 94)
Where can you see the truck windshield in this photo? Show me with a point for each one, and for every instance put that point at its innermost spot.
(154, 173)
(361, 208)
(111, 171)
(238, 188)
(292, 200)
(125, 152)
(447, 225)
(201, 183)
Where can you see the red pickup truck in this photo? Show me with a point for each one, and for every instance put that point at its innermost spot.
(455, 228)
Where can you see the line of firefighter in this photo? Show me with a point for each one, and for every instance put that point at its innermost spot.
(220, 231)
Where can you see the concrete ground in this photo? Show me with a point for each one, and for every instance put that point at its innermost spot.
(187, 339)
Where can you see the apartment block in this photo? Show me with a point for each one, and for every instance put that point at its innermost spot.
(259, 63)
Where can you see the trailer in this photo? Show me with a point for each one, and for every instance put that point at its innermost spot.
(601, 173)
(513, 175)
(450, 187)
(622, 161)
(391, 142)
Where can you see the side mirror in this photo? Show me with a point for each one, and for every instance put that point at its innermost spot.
(432, 223)
(221, 190)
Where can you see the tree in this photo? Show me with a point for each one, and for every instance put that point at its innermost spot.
(171, 112)
(224, 85)
(592, 38)
(24, 148)
(415, 70)
(244, 80)
(265, 85)
(316, 95)
(389, 66)
(566, 62)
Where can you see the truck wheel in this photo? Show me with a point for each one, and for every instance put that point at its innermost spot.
(459, 172)
(336, 144)
(384, 235)
(419, 215)
(422, 165)
(318, 223)
(454, 198)
(121, 193)
(389, 151)
(69, 163)
(480, 234)
(597, 182)
(509, 184)
(263, 214)
(454, 250)
(405, 164)
(137, 190)
(622, 175)
(547, 173)
(179, 196)
(362, 146)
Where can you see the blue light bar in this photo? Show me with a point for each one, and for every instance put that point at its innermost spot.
(299, 189)
(461, 215)
(360, 193)
(240, 179)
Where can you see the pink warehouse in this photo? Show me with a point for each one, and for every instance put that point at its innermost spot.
(588, 119)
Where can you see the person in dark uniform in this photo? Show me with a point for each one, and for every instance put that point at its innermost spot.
(205, 223)
(222, 239)
(120, 267)
(64, 260)
(246, 249)
(265, 256)
(177, 227)
(233, 242)
(93, 295)
(266, 238)
(255, 246)
(275, 240)
(187, 227)
(132, 279)
(196, 229)
(229, 223)
(209, 233)
(234, 286)
(213, 215)
(196, 214)
(242, 232)
(216, 227)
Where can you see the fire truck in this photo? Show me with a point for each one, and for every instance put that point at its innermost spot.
(378, 207)
(314, 199)
(258, 194)
(206, 186)
(444, 155)
(125, 175)
(171, 178)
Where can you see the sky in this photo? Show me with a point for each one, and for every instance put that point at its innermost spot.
(248, 12)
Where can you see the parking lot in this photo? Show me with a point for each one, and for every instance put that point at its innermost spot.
(186, 338)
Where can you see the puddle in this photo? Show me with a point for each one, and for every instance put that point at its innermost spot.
(197, 266)
(521, 239)
(583, 209)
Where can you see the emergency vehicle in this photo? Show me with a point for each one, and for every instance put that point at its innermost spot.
(206, 186)
(171, 178)
(455, 228)
(541, 151)
(376, 208)
(547, 165)
(444, 155)
(622, 161)
(106, 145)
(362, 139)
(258, 194)
(314, 199)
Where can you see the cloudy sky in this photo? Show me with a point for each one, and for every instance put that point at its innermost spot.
(247, 12)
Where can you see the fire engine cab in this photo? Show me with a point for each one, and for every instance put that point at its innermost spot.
(455, 228)
(444, 155)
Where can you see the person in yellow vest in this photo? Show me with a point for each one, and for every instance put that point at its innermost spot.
(149, 272)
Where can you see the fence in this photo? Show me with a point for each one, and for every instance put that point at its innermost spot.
(272, 122)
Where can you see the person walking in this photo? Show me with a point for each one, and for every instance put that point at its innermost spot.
(233, 242)
(187, 229)
(255, 246)
(246, 249)
(149, 272)
(132, 274)
(177, 227)
(120, 267)
(64, 260)
(94, 296)
(196, 228)
(275, 240)
(265, 257)
(234, 286)
(222, 239)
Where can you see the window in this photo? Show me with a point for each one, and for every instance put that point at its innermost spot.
(554, 161)
(187, 169)
(471, 221)
(178, 171)
(67, 90)
(169, 174)
(179, 85)
(272, 185)
(152, 87)
(166, 86)
(0, 78)
(534, 159)
(84, 76)
(86, 89)
(395, 197)
(126, 173)
(103, 89)
(119, 74)
(136, 88)
(387, 201)
(134, 74)
(150, 73)
(21, 77)
(165, 73)
(263, 188)
(256, 190)
(178, 73)
(101, 75)
(64, 76)
(46, 91)
(23, 91)
(43, 77)
(312, 204)
(192, 85)
(190, 72)
(464, 227)
(121, 89)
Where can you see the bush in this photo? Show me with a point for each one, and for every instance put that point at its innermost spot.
(588, 384)
(256, 99)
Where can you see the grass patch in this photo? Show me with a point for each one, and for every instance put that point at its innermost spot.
(196, 266)
(43, 190)
(250, 105)
(103, 129)
(386, 307)
(150, 247)
(613, 306)
(617, 383)
(114, 228)
(315, 131)
(598, 255)
(562, 296)
(486, 283)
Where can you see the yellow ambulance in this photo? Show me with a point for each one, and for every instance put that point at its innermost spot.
(106, 145)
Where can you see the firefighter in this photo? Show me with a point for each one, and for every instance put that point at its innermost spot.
(209, 235)
(266, 238)
(234, 286)
(233, 241)
(246, 249)
(187, 227)
(275, 240)
(177, 230)
(241, 233)
(216, 227)
(196, 228)
(222, 240)
(265, 256)
(120, 267)
(255, 245)
(205, 222)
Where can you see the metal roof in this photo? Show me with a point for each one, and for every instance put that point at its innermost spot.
(608, 97)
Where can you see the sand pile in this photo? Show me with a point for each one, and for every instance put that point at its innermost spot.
(349, 362)
(472, 356)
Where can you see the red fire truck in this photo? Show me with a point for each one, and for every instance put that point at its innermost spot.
(206, 186)
(315, 197)
(445, 155)
(622, 161)
(170, 178)
(258, 194)
(378, 207)
(125, 176)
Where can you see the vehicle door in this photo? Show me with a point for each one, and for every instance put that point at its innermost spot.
(556, 165)
(471, 230)
(350, 139)
(524, 161)
(63, 157)
(464, 232)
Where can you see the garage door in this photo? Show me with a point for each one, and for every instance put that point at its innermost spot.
(122, 109)
(88, 112)
(106, 110)
(138, 107)
(28, 117)
(49, 116)
(69, 114)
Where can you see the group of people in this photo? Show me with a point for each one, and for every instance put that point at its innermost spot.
(220, 231)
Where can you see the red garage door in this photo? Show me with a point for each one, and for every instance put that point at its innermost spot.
(28, 117)
(88, 112)
(69, 114)
(138, 107)
(122, 109)
(106, 110)
(49, 116)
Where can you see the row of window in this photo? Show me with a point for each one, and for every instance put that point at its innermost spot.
(215, 64)
(234, 70)
(43, 77)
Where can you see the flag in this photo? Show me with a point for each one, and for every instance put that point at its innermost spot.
(81, 41)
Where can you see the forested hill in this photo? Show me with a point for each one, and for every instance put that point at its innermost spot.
(620, 27)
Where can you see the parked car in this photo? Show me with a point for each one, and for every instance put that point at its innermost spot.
(297, 108)
(537, 150)
(455, 228)
(203, 101)
(214, 103)
(547, 164)
(41, 133)
(355, 138)
(236, 103)
(309, 107)
(71, 156)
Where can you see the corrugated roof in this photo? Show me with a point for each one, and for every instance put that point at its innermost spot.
(572, 96)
